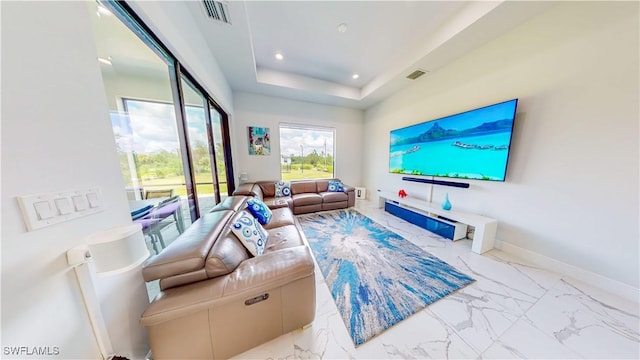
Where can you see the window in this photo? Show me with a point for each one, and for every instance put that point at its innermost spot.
(306, 152)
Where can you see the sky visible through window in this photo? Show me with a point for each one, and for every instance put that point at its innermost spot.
(310, 138)
(151, 127)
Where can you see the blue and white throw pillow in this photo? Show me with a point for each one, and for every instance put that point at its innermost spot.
(259, 210)
(251, 234)
(335, 186)
(283, 188)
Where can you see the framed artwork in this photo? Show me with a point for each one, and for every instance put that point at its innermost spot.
(259, 140)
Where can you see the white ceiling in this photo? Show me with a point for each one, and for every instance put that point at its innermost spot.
(384, 42)
(378, 33)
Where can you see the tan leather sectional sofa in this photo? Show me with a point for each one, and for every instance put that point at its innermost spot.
(217, 300)
(306, 195)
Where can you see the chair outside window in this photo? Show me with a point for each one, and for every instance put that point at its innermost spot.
(155, 218)
(148, 226)
(153, 194)
(169, 212)
(166, 213)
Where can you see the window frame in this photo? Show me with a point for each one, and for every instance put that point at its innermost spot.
(131, 20)
(305, 127)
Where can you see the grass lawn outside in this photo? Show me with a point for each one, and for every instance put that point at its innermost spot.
(203, 185)
(306, 174)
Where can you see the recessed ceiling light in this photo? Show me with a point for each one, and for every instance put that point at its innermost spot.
(355, 76)
(279, 56)
(342, 27)
(103, 10)
(105, 61)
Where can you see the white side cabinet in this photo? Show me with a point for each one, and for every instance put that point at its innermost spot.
(485, 228)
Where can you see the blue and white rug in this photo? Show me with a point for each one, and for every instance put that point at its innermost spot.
(376, 277)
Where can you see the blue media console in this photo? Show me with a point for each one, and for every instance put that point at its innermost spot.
(450, 230)
(432, 217)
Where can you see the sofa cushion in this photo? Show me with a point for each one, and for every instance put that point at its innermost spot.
(281, 217)
(331, 197)
(335, 186)
(278, 202)
(225, 255)
(283, 237)
(306, 199)
(322, 185)
(303, 186)
(283, 188)
(268, 188)
(259, 210)
(250, 233)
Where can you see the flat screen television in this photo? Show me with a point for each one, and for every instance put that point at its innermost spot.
(471, 145)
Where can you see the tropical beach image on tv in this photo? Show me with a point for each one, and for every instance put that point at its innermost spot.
(470, 145)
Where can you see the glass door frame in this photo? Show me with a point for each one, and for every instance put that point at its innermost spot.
(184, 76)
(211, 104)
(124, 12)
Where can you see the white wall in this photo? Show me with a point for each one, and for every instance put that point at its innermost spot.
(572, 184)
(143, 88)
(56, 135)
(172, 22)
(265, 111)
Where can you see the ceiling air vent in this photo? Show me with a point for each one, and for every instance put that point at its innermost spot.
(416, 74)
(217, 10)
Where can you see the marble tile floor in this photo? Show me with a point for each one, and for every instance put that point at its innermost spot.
(512, 311)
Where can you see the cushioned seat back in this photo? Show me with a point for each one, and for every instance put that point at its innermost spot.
(304, 186)
(188, 252)
(234, 203)
(268, 188)
(225, 255)
(244, 189)
(322, 185)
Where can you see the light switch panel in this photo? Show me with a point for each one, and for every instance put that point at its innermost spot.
(80, 202)
(64, 206)
(42, 210)
(94, 200)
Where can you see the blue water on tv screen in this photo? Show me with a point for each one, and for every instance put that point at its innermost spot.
(470, 145)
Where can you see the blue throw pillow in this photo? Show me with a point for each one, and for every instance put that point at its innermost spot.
(335, 186)
(259, 210)
(283, 188)
(251, 234)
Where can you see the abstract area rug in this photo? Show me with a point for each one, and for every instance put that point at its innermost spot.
(377, 278)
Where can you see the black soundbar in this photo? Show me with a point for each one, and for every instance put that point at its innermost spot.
(436, 182)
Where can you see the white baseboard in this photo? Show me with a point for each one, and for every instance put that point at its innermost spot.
(596, 280)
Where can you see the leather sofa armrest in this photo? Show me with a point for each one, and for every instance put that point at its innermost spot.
(189, 251)
(257, 191)
(249, 189)
(244, 189)
(351, 192)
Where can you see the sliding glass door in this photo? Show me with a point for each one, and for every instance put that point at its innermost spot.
(171, 136)
(221, 147)
(201, 147)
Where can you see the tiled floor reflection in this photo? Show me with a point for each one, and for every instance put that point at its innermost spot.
(513, 310)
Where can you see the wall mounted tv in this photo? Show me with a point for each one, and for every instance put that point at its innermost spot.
(470, 145)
